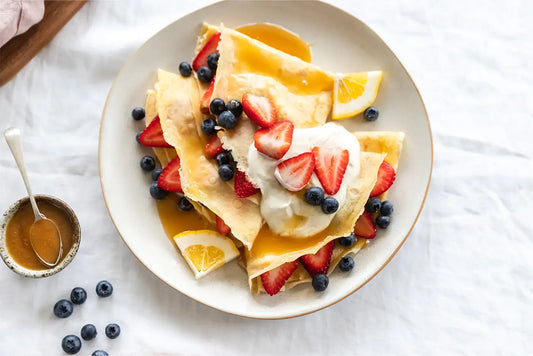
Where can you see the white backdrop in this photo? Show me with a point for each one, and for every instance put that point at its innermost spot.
(461, 284)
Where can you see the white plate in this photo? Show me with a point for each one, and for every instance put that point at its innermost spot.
(340, 43)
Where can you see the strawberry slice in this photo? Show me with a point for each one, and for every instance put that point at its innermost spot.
(243, 188)
(295, 173)
(275, 140)
(259, 109)
(222, 227)
(213, 147)
(330, 165)
(274, 279)
(319, 262)
(152, 135)
(206, 98)
(365, 227)
(386, 176)
(169, 179)
(211, 46)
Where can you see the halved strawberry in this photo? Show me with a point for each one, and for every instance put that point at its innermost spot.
(222, 227)
(170, 179)
(319, 262)
(275, 140)
(152, 135)
(259, 109)
(243, 188)
(365, 227)
(386, 176)
(206, 98)
(330, 165)
(213, 147)
(295, 173)
(274, 279)
(211, 46)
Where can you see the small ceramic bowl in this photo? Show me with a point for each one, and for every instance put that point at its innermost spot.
(4, 219)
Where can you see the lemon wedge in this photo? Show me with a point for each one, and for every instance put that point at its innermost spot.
(354, 92)
(205, 250)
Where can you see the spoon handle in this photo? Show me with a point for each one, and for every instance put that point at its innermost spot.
(12, 136)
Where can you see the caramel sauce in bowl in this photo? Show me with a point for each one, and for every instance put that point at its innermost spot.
(15, 247)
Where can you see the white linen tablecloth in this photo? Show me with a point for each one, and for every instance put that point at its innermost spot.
(461, 284)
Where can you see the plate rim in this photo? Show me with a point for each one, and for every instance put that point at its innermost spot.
(368, 279)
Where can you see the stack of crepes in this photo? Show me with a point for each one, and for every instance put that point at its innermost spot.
(301, 93)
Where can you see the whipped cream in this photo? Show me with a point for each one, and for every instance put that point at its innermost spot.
(287, 213)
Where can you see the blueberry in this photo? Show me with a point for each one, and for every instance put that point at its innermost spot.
(88, 332)
(347, 241)
(320, 282)
(386, 208)
(235, 107)
(63, 309)
(138, 136)
(330, 205)
(147, 163)
(314, 195)
(225, 158)
(104, 289)
(212, 60)
(99, 353)
(112, 330)
(157, 192)
(383, 221)
(371, 114)
(204, 74)
(156, 173)
(208, 126)
(225, 172)
(216, 106)
(185, 69)
(184, 204)
(71, 344)
(227, 120)
(373, 205)
(346, 264)
(137, 113)
(78, 295)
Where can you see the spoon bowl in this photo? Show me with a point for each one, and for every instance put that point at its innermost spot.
(46, 242)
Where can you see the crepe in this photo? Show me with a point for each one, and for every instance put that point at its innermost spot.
(377, 142)
(301, 92)
(270, 251)
(387, 142)
(165, 155)
(178, 106)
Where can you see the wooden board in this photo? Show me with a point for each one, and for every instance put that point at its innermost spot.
(16, 53)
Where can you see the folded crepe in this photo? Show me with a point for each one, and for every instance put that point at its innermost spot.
(301, 92)
(388, 144)
(165, 155)
(270, 251)
(177, 101)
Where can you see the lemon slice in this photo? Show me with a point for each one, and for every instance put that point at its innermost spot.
(354, 92)
(205, 250)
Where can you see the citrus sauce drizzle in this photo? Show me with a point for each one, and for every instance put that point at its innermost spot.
(279, 38)
(18, 235)
(175, 221)
(257, 60)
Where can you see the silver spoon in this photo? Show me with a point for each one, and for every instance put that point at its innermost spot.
(41, 223)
